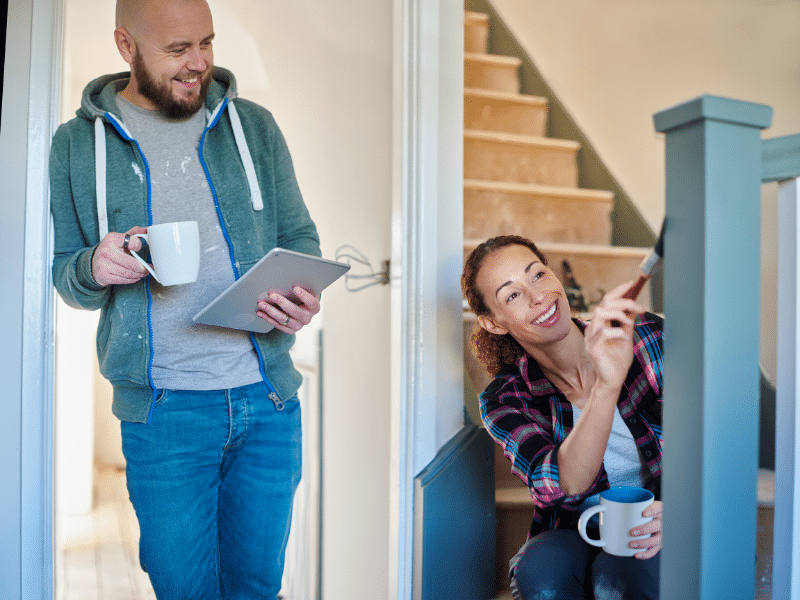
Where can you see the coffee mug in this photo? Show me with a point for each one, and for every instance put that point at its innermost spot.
(620, 511)
(174, 251)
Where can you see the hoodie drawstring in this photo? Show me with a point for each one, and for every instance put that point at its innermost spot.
(100, 175)
(100, 166)
(247, 159)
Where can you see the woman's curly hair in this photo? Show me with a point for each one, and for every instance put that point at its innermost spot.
(493, 350)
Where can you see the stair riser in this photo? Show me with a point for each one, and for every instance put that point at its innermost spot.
(475, 370)
(501, 78)
(599, 274)
(539, 218)
(506, 117)
(499, 161)
(476, 35)
(511, 532)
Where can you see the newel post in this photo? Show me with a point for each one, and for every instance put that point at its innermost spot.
(711, 380)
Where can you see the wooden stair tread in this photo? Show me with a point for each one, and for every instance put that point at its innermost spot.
(595, 250)
(475, 17)
(506, 96)
(492, 59)
(766, 487)
(513, 497)
(520, 497)
(522, 140)
(535, 189)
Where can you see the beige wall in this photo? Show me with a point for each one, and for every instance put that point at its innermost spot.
(324, 69)
(615, 64)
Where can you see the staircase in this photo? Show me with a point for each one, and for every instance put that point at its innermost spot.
(519, 181)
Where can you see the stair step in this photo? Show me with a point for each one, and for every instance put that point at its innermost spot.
(539, 212)
(513, 497)
(520, 158)
(491, 72)
(491, 110)
(476, 32)
(476, 372)
(596, 268)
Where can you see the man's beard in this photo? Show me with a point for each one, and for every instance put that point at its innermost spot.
(161, 94)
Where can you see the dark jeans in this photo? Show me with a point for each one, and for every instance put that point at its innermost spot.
(557, 564)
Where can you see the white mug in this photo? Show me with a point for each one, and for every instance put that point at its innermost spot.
(620, 511)
(174, 250)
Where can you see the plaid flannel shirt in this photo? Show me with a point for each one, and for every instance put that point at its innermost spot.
(525, 413)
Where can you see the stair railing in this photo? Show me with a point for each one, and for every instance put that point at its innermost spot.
(782, 163)
(715, 164)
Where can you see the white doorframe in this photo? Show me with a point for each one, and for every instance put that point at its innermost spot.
(427, 255)
(30, 101)
(427, 395)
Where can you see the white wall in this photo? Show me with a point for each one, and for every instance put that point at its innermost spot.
(324, 69)
(329, 67)
(614, 65)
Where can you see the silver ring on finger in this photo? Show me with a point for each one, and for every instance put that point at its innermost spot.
(286, 322)
(125, 241)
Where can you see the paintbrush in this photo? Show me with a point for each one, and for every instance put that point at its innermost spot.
(647, 269)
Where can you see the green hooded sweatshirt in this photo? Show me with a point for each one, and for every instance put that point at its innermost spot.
(100, 182)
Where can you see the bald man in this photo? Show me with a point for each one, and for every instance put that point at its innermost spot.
(209, 416)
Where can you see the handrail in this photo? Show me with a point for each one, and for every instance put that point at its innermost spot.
(780, 158)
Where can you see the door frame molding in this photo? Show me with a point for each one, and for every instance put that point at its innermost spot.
(427, 391)
(427, 396)
(30, 109)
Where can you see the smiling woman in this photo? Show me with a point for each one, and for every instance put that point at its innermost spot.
(576, 407)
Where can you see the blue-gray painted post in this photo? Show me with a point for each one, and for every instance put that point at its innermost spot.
(711, 304)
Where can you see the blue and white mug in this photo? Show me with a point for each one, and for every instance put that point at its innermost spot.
(620, 511)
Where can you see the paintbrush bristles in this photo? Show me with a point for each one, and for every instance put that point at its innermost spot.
(650, 263)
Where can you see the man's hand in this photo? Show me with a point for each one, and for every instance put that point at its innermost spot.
(284, 314)
(112, 264)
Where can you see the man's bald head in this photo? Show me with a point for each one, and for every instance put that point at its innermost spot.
(137, 16)
(168, 44)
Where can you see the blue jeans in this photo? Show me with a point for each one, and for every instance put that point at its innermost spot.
(212, 478)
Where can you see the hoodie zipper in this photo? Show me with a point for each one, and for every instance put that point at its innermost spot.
(273, 394)
(126, 136)
(275, 400)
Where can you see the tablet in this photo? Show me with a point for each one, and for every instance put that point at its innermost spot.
(278, 271)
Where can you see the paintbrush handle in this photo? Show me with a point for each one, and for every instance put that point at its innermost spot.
(632, 294)
(636, 288)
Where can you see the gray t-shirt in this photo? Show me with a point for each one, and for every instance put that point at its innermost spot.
(622, 461)
(187, 355)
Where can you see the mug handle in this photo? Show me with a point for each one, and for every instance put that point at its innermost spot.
(143, 236)
(584, 520)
